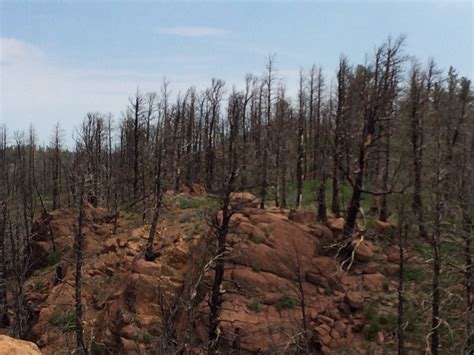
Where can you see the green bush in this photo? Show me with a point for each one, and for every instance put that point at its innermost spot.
(54, 257)
(413, 273)
(266, 231)
(254, 305)
(146, 338)
(65, 320)
(378, 322)
(328, 291)
(38, 285)
(255, 238)
(286, 302)
(256, 267)
(370, 330)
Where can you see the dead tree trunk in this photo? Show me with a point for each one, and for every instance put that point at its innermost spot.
(78, 240)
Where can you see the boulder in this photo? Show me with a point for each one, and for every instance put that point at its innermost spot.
(354, 299)
(11, 346)
(363, 250)
(336, 224)
(243, 199)
(374, 282)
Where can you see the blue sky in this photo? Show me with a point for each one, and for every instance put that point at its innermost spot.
(61, 59)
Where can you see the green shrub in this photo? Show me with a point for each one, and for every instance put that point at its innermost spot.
(370, 330)
(254, 305)
(328, 291)
(195, 203)
(256, 267)
(413, 273)
(388, 321)
(266, 231)
(38, 285)
(378, 322)
(255, 238)
(146, 338)
(54, 257)
(65, 320)
(286, 302)
(370, 313)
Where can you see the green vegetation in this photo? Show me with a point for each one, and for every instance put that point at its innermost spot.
(329, 290)
(266, 231)
(255, 238)
(63, 319)
(286, 302)
(146, 338)
(256, 267)
(184, 202)
(413, 273)
(271, 327)
(254, 305)
(38, 285)
(310, 192)
(54, 257)
(378, 322)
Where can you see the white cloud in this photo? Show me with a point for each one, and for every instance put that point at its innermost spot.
(35, 89)
(193, 31)
(13, 51)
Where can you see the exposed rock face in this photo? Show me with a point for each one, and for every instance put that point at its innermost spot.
(244, 199)
(273, 257)
(11, 346)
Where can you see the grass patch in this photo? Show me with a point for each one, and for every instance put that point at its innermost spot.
(286, 302)
(310, 192)
(184, 202)
(255, 238)
(65, 320)
(255, 305)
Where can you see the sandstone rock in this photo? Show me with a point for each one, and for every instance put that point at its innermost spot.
(336, 224)
(391, 269)
(335, 334)
(178, 257)
(384, 227)
(373, 282)
(393, 255)
(316, 279)
(325, 320)
(371, 268)
(363, 250)
(11, 346)
(302, 216)
(354, 299)
(243, 199)
(325, 350)
(147, 268)
(340, 327)
(110, 245)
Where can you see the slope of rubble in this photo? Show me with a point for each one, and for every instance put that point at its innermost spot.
(275, 260)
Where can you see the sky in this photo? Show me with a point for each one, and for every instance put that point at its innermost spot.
(62, 59)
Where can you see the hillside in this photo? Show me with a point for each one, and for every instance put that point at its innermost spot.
(278, 262)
